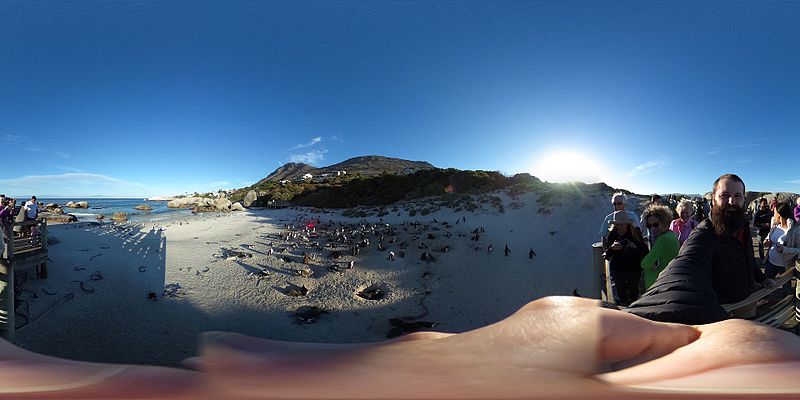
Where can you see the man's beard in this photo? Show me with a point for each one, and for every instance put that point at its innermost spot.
(728, 220)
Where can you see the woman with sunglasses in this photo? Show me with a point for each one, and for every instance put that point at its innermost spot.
(624, 252)
(665, 245)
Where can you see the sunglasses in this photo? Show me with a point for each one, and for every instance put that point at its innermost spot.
(653, 225)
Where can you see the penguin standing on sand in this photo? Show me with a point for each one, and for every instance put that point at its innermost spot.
(531, 253)
(490, 248)
(506, 250)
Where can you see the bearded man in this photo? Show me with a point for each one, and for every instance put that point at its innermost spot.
(715, 265)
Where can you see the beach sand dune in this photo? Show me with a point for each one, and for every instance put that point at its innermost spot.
(143, 292)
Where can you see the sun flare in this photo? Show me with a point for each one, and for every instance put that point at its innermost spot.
(567, 166)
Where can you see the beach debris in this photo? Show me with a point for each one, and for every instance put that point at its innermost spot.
(142, 268)
(95, 276)
(552, 233)
(173, 290)
(372, 293)
(401, 327)
(84, 288)
(95, 256)
(152, 296)
(79, 268)
(49, 293)
(308, 314)
(105, 246)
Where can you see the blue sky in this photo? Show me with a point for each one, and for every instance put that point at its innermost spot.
(141, 98)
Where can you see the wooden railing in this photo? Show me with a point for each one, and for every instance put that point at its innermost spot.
(784, 310)
(22, 252)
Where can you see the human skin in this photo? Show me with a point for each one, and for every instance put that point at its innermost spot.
(556, 347)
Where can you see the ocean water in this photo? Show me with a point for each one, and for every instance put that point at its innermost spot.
(108, 207)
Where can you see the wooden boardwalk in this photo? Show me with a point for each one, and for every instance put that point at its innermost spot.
(20, 253)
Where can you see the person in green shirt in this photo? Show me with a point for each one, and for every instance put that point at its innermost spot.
(665, 247)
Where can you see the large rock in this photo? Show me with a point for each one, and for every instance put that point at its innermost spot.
(237, 207)
(222, 204)
(120, 217)
(184, 202)
(80, 204)
(52, 217)
(143, 207)
(250, 198)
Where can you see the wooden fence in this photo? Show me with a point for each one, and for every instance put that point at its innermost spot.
(21, 251)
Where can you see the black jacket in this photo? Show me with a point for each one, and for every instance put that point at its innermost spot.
(709, 270)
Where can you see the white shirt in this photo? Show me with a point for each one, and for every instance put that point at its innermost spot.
(31, 208)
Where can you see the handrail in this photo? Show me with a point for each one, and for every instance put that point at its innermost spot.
(783, 278)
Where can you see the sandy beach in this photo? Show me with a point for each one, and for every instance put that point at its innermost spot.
(143, 292)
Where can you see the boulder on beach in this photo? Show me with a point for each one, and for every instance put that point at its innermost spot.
(52, 217)
(120, 216)
(222, 204)
(80, 204)
(237, 207)
(143, 207)
(250, 198)
(189, 202)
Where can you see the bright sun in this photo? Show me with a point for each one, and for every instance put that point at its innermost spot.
(567, 166)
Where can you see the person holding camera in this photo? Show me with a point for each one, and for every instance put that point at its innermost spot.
(625, 251)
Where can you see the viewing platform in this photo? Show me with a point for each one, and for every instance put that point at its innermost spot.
(25, 248)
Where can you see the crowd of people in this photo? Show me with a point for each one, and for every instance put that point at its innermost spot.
(682, 265)
(10, 213)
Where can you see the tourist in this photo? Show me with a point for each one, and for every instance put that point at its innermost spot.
(761, 221)
(683, 225)
(715, 266)
(783, 222)
(619, 202)
(624, 253)
(797, 210)
(665, 243)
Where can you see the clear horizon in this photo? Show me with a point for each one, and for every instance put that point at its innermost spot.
(136, 99)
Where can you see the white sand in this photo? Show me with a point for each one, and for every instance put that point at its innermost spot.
(466, 288)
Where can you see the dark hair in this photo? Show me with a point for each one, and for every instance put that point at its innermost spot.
(785, 211)
(732, 177)
(33, 197)
(655, 197)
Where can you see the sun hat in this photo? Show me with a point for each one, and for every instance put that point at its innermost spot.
(620, 217)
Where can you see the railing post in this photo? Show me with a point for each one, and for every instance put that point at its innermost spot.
(43, 242)
(7, 287)
(598, 270)
(797, 298)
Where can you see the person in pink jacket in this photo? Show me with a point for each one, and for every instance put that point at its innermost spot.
(684, 224)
